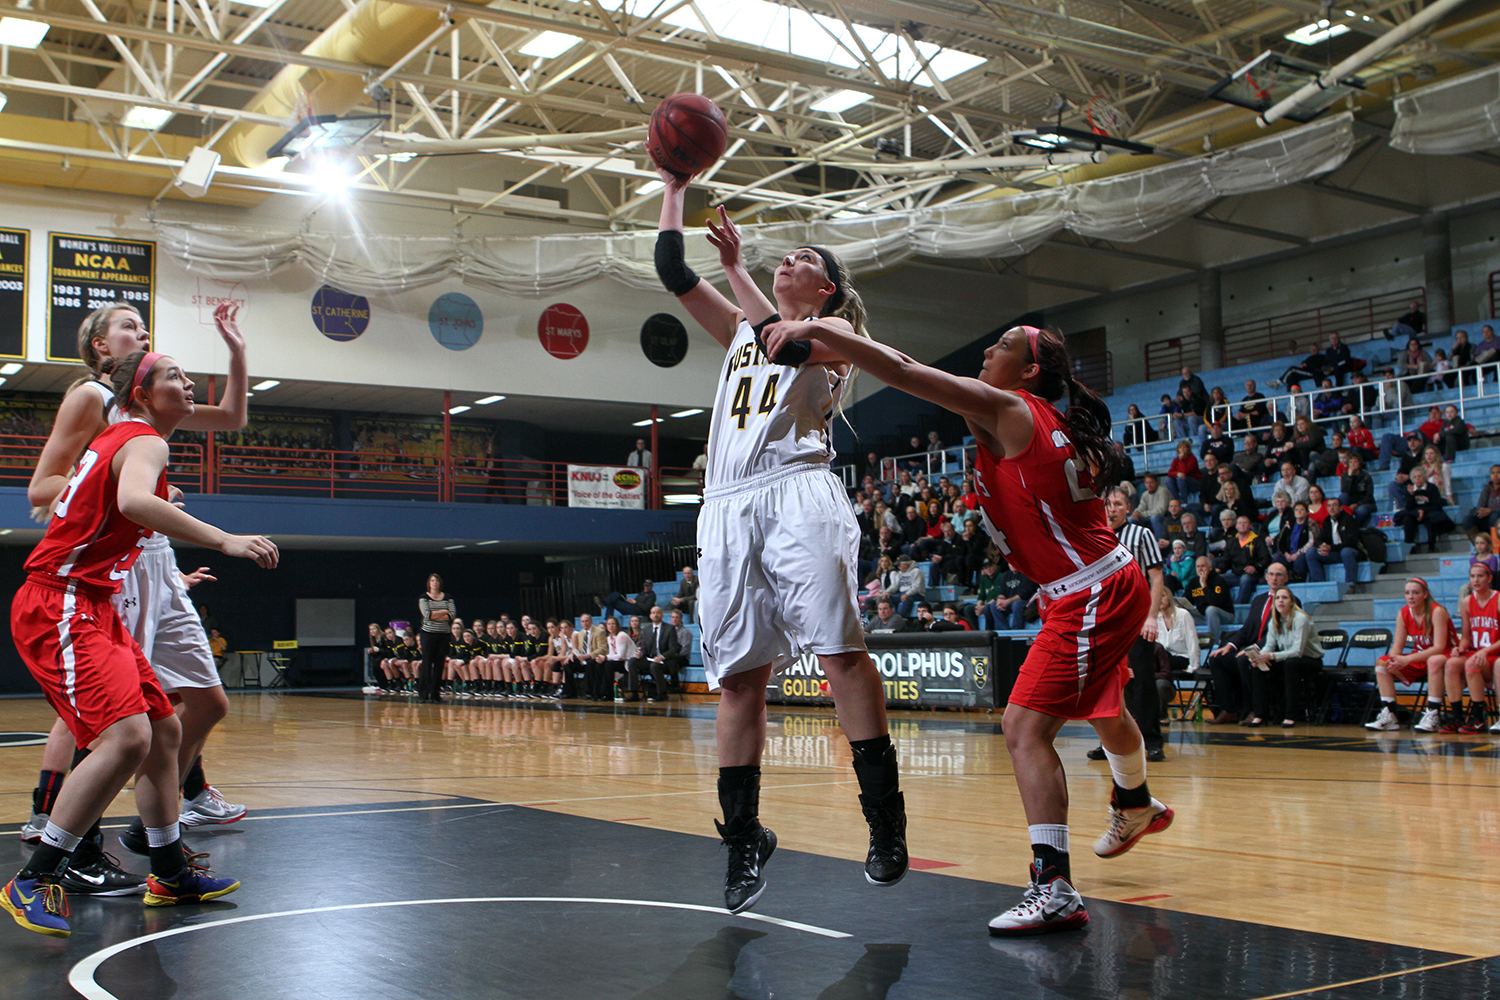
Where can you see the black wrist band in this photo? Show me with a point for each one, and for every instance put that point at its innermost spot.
(793, 354)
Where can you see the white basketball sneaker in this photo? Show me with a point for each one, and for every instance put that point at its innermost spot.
(1126, 826)
(1046, 907)
(1429, 722)
(31, 833)
(1385, 721)
(208, 808)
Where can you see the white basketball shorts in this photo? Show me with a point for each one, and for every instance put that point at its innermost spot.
(778, 571)
(156, 610)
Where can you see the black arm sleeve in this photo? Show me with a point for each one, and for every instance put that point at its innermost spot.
(793, 354)
(671, 265)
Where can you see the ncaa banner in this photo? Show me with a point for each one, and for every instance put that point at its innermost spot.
(619, 487)
(922, 670)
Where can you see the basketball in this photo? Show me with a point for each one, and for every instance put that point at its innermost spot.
(687, 134)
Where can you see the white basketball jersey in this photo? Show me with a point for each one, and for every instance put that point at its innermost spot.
(767, 416)
(107, 396)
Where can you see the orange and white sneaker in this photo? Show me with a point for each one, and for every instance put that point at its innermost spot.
(1126, 826)
(1046, 907)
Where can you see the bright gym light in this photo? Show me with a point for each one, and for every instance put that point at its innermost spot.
(1319, 30)
(839, 101)
(11, 368)
(455, 410)
(22, 32)
(687, 413)
(269, 383)
(486, 401)
(149, 119)
(549, 44)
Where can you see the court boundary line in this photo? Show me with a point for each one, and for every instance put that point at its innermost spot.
(1374, 979)
(81, 976)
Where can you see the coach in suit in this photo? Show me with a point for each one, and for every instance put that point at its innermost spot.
(1229, 665)
(658, 643)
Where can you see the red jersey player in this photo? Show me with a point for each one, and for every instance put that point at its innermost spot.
(91, 670)
(1035, 476)
(1473, 662)
(1425, 624)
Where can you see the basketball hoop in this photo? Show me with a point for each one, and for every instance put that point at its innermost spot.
(1104, 118)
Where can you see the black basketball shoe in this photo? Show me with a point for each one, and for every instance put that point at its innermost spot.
(887, 862)
(92, 872)
(749, 848)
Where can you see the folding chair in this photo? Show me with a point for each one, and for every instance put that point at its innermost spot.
(1187, 699)
(1365, 638)
(1332, 639)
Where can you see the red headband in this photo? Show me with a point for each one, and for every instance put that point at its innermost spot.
(1422, 583)
(141, 371)
(1031, 334)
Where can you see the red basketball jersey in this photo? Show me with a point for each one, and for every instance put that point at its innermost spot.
(1040, 507)
(1415, 633)
(1484, 621)
(88, 539)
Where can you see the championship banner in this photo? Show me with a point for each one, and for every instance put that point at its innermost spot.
(85, 273)
(618, 487)
(922, 670)
(13, 292)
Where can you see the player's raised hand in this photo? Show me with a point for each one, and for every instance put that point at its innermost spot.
(726, 237)
(226, 321)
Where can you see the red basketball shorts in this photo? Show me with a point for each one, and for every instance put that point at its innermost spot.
(1077, 667)
(87, 665)
(1412, 672)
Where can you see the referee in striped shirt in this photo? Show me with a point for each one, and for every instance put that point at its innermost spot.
(1140, 693)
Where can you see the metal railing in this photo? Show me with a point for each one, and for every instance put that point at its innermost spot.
(1494, 283)
(1295, 333)
(928, 463)
(19, 454)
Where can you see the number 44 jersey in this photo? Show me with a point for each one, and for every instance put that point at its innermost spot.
(767, 416)
(1040, 506)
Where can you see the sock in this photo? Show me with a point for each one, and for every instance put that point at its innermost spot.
(167, 858)
(875, 767)
(45, 793)
(1388, 702)
(739, 797)
(54, 853)
(1129, 771)
(195, 782)
(1434, 705)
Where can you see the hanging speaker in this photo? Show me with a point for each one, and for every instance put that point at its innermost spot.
(197, 172)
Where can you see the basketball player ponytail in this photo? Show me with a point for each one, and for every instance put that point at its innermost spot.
(846, 304)
(1087, 415)
(94, 327)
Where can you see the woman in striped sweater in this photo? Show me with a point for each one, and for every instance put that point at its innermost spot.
(438, 611)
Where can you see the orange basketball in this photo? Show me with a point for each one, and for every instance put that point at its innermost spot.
(687, 134)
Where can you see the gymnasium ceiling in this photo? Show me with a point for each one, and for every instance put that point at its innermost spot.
(937, 80)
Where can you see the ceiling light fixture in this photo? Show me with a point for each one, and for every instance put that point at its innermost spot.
(492, 541)
(549, 44)
(455, 410)
(687, 413)
(646, 423)
(486, 401)
(450, 548)
(649, 188)
(1058, 139)
(324, 132)
(269, 383)
(10, 368)
(22, 32)
(839, 101)
(146, 118)
(1320, 30)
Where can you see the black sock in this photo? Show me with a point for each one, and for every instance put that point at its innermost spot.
(168, 860)
(45, 794)
(47, 859)
(1049, 863)
(1132, 798)
(195, 782)
(875, 766)
(739, 796)
(1388, 702)
(138, 830)
(1434, 705)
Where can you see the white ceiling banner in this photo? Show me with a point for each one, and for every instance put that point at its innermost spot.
(1124, 208)
(1461, 115)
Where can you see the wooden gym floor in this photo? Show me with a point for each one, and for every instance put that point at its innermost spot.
(559, 851)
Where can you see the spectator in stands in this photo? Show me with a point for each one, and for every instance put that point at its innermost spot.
(1413, 364)
(1337, 361)
(1192, 384)
(1317, 504)
(1171, 526)
(1172, 411)
(1179, 566)
(1433, 425)
(1484, 552)
(1245, 559)
(1462, 355)
(1195, 540)
(616, 603)
(1291, 649)
(881, 583)
(1151, 505)
(1328, 402)
(941, 552)
(952, 621)
(1424, 506)
(1281, 512)
(1137, 431)
(1357, 491)
(911, 586)
(1292, 484)
(1361, 441)
(1299, 403)
(1219, 407)
(1229, 665)
(1177, 634)
(1487, 351)
(675, 665)
(972, 547)
(1338, 542)
(1441, 371)
(926, 622)
(1219, 537)
(1208, 592)
(687, 593)
(1250, 460)
(1411, 325)
(1008, 610)
(1485, 514)
(1252, 412)
(885, 517)
(1424, 624)
(640, 458)
(658, 641)
(934, 443)
(1439, 473)
(913, 529)
(1307, 442)
(1327, 462)
(1453, 435)
(1182, 475)
(1279, 447)
(1306, 372)
(1230, 496)
(888, 544)
(621, 650)
(885, 619)
(1297, 538)
(1217, 444)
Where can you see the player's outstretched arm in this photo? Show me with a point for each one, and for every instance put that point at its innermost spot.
(703, 301)
(232, 412)
(979, 402)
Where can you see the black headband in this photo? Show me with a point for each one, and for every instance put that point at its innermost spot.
(831, 267)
